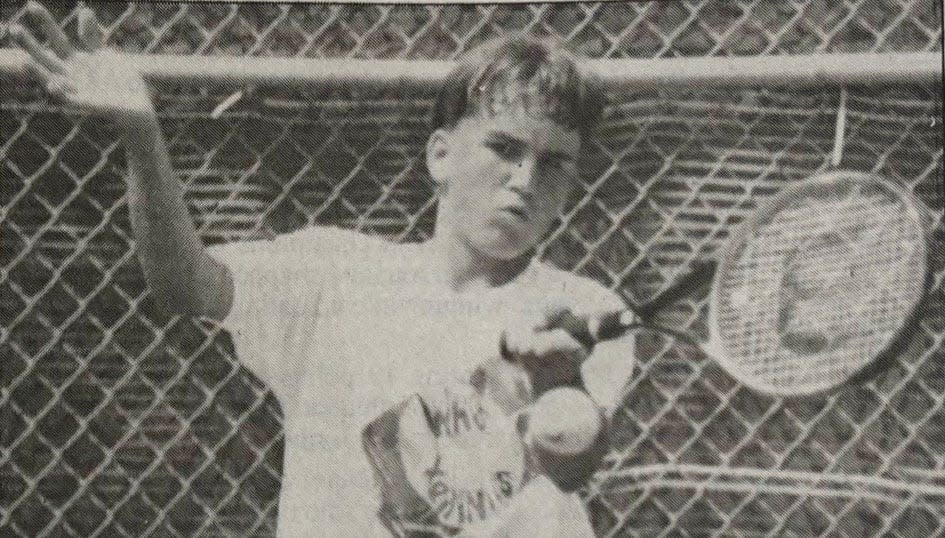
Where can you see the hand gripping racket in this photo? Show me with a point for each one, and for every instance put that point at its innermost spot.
(814, 286)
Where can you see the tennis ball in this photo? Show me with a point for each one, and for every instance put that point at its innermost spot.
(564, 421)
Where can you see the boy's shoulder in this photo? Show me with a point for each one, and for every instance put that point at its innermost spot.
(332, 240)
(320, 233)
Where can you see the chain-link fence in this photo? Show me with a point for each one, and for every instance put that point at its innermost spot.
(117, 420)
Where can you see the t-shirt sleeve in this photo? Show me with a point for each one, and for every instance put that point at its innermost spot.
(280, 289)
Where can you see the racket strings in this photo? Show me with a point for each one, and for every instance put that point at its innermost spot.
(819, 288)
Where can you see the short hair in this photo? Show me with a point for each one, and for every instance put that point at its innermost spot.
(525, 72)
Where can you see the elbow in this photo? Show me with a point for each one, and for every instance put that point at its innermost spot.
(204, 290)
(210, 296)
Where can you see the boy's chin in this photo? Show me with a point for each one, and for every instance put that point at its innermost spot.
(501, 247)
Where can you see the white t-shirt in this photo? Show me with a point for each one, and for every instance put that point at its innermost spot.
(342, 326)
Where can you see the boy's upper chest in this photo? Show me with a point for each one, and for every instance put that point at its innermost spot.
(407, 320)
(398, 326)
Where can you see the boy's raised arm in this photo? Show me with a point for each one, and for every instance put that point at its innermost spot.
(94, 80)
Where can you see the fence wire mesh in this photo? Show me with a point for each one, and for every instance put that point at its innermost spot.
(117, 420)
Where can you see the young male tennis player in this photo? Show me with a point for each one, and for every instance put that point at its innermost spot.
(341, 325)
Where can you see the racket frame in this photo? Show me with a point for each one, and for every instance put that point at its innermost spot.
(712, 346)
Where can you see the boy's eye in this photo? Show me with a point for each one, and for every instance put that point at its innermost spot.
(558, 163)
(503, 149)
(555, 164)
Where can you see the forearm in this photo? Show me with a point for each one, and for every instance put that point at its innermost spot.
(175, 264)
(101, 83)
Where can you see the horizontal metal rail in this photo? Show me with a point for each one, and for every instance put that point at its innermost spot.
(619, 74)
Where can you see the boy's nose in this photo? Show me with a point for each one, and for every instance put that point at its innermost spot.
(522, 176)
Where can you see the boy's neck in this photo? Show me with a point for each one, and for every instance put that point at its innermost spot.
(462, 268)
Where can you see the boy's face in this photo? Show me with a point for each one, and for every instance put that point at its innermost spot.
(506, 178)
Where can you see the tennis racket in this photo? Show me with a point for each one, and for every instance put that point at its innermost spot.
(816, 285)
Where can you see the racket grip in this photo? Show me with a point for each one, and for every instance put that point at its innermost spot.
(591, 331)
(588, 332)
(614, 325)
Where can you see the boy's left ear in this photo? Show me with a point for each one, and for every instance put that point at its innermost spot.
(438, 151)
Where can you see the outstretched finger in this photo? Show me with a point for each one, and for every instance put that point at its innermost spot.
(90, 31)
(57, 38)
(40, 54)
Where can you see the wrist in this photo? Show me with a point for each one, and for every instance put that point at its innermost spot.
(137, 125)
(139, 132)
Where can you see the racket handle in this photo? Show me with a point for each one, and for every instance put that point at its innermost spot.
(588, 332)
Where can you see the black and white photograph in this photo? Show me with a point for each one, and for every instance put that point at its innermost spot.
(519, 269)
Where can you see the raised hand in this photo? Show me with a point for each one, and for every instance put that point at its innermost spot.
(84, 75)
